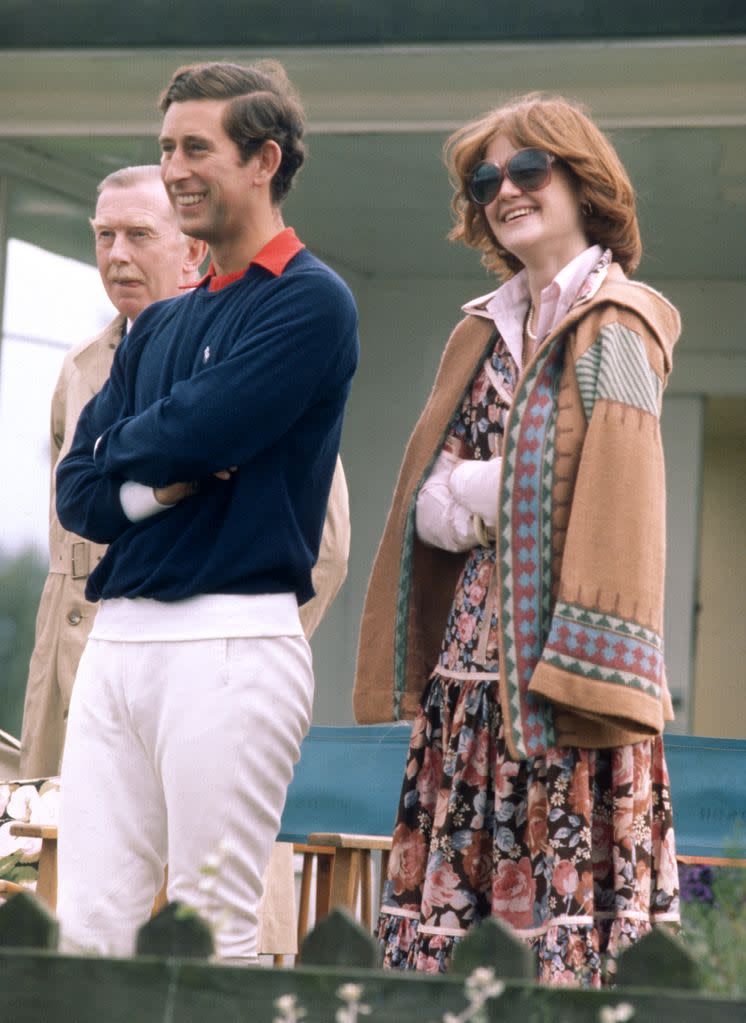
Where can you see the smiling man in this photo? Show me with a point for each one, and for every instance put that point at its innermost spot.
(205, 464)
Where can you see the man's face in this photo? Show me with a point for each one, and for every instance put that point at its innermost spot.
(211, 189)
(140, 251)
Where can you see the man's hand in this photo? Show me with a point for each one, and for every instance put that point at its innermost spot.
(176, 492)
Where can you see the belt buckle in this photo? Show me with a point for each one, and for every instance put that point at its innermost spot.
(80, 560)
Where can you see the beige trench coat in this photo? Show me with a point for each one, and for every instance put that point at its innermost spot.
(65, 618)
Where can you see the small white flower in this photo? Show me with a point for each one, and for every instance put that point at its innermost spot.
(350, 992)
(291, 1011)
(482, 984)
(351, 995)
(481, 976)
(621, 1013)
(495, 989)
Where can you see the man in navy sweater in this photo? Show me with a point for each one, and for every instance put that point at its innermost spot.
(205, 464)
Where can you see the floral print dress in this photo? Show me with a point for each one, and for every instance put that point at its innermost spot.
(574, 850)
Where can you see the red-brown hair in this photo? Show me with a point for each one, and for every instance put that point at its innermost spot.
(605, 192)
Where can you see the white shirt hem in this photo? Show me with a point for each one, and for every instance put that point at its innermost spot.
(207, 616)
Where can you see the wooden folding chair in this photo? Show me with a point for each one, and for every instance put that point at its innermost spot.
(43, 806)
(340, 809)
(343, 799)
(708, 793)
(46, 886)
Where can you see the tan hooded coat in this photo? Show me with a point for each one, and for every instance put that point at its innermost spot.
(580, 534)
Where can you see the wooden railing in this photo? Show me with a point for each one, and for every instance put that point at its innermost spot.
(171, 980)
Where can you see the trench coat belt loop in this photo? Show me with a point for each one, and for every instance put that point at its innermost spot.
(80, 560)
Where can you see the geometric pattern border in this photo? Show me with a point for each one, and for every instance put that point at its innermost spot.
(524, 549)
(606, 648)
(599, 673)
(604, 620)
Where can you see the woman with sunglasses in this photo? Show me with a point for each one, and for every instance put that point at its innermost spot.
(515, 605)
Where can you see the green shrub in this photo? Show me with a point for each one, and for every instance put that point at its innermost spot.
(713, 926)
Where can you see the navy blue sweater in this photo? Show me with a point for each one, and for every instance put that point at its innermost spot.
(254, 375)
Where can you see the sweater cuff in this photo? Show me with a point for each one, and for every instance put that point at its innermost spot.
(139, 502)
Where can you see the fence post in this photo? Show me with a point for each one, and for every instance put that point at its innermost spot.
(338, 940)
(490, 943)
(25, 922)
(178, 931)
(658, 960)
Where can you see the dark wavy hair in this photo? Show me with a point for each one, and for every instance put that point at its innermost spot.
(264, 106)
(605, 193)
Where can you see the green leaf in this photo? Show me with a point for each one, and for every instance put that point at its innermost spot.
(7, 863)
(24, 872)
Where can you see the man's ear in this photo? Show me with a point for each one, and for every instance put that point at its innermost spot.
(269, 158)
(196, 251)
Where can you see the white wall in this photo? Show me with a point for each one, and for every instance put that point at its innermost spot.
(682, 428)
(719, 698)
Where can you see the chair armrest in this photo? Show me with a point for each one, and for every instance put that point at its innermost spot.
(710, 861)
(8, 888)
(313, 849)
(341, 841)
(47, 832)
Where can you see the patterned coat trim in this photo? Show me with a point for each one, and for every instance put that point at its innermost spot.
(404, 590)
(605, 648)
(524, 551)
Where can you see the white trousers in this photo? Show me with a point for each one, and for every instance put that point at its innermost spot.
(177, 752)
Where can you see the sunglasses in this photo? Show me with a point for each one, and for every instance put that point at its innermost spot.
(528, 169)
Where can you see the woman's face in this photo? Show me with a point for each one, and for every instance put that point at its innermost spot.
(540, 228)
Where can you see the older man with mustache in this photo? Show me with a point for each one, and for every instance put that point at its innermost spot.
(142, 257)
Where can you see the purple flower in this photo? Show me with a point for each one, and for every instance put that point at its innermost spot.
(695, 883)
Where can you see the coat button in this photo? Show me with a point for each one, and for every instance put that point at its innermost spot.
(75, 617)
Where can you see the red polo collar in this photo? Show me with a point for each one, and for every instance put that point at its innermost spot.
(274, 257)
